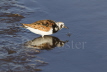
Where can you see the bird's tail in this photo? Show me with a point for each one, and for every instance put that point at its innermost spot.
(23, 25)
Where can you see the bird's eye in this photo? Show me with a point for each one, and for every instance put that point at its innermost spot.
(61, 26)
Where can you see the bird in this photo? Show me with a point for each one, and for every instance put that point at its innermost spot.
(44, 27)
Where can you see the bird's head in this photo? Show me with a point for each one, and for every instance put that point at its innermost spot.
(61, 25)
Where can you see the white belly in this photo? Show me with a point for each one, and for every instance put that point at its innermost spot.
(40, 32)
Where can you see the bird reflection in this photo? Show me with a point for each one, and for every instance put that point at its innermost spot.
(47, 43)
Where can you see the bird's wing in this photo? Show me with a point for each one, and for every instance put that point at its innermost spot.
(45, 22)
(43, 25)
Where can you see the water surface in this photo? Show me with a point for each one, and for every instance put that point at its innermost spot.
(82, 48)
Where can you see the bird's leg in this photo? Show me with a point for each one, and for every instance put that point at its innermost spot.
(43, 36)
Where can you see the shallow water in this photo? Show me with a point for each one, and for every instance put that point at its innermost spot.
(80, 48)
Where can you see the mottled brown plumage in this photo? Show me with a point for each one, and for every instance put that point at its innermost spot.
(43, 25)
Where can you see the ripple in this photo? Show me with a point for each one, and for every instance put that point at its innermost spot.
(14, 57)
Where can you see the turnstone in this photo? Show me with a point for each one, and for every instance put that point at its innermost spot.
(45, 27)
(48, 42)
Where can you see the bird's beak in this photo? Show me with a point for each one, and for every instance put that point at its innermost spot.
(66, 27)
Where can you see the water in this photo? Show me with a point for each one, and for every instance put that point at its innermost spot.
(81, 48)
